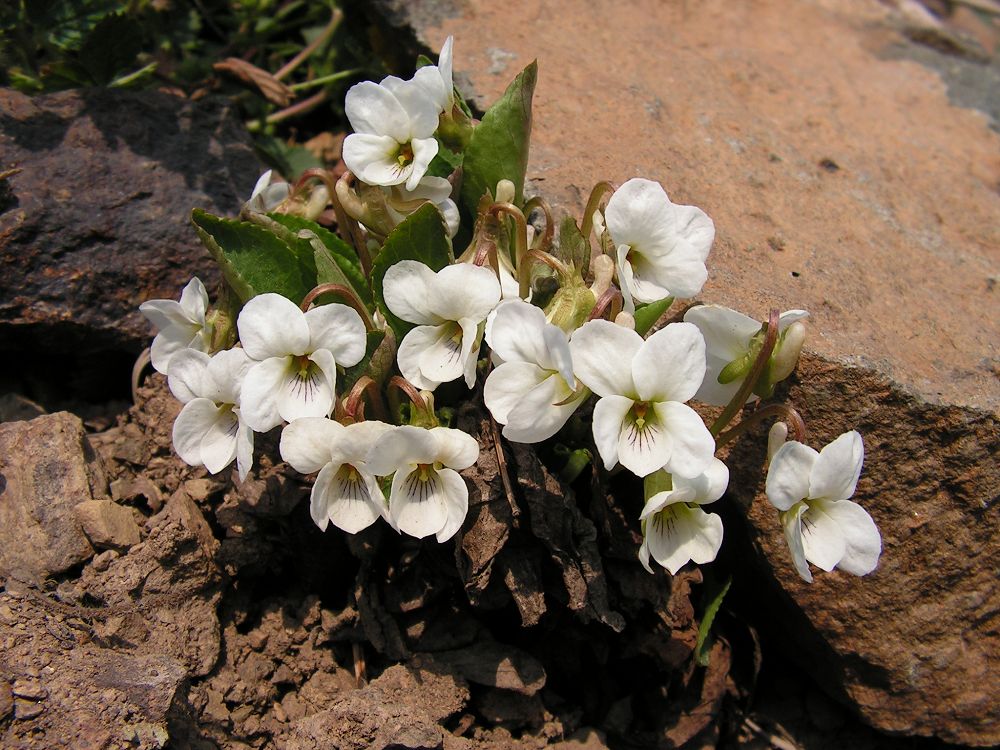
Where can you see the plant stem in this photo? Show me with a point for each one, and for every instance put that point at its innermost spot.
(323, 80)
(520, 243)
(336, 15)
(345, 294)
(600, 190)
(783, 411)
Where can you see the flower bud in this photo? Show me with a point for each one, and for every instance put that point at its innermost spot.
(787, 352)
(776, 437)
(625, 319)
(571, 305)
(602, 268)
(505, 192)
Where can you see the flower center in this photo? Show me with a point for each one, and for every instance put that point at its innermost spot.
(305, 375)
(405, 155)
(351, 485)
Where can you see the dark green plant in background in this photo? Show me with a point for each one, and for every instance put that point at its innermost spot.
(287, 63)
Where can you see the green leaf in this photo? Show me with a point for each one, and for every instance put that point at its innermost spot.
(339, 264)
(444, 162)
(498, 149)
(714, 597)
(253, 260)
(647, 315)
(422, 236)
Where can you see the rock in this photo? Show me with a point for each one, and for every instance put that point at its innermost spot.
(107, 183)
(17, 408)
(841, 180)
(46, 468)
(53, 661)
(107, 524)
(496, 665)
(401, 709)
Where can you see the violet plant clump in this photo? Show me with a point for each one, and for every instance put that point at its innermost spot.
(436, 275)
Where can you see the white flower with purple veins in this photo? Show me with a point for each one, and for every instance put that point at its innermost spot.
(428, 495)
(821, 525)
(532, 392)
(180, 325)
(346, 492)
(393, 140)
(267, 195)
(730, 338)
(297, 355)
(210, 430)
(674, 526)
(641, 419)
(448, 308)
(660, 247)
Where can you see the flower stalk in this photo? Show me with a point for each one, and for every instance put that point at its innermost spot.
(759, 365)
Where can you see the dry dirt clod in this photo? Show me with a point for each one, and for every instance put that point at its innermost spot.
(107, 524)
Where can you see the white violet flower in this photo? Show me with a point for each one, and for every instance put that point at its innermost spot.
(297, 355)
(267, 195)
(437, 190)
(661, 247)
(674, 526)
(532, 392)
(393, 140)
(641, 419)
(448, 308)
(180, 325)
(729, 339)
(821, 525)
(210, 430)
(428, 495)
(346, 492)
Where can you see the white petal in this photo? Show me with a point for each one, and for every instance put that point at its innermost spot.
(272, 326)
(306, 443)
(170, 341)
(788, 476)
(708, 486)
(418, 503)
(373, 159)
(445, 65)
(356, 442)
(557, 355)
(670, 364)
(727, 332)
(424, 151)
(822, 539)
(421, 110)
(194, 300)
(471, 341)
(644, 555)
(626, 279)
(262, 182)
(835, 474)
(434, 189)
(402, 448)
(408, 287)
(373, 109)
(244, 449)
(218, 446)
(261, 388)
(507, 386)
(791, 521)
(644, 450)
(351, 500)
(515, 332)
(695, 229)
(338, 329)
(790, 316)
(602, 357)
(456, 495)
(454, 448)
(187, 375)
(449, 210)
(680, 533)
(660, 500)
(537, 417)
(311, 394)
(609, 418)
(191, 425)
(639, 214)
(679, 272)
(463, 290)
(165, 313)
(431, 353)
(226, 371)
(863, 543)
(692, 445)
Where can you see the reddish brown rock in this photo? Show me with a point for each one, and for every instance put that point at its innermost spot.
(841, 180)
(107, 524)
(46, 468)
